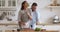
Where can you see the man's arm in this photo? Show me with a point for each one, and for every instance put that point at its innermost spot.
(37, 18)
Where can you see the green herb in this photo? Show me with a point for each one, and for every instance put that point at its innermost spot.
(38, 29)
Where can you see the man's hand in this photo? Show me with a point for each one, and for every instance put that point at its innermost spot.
(37, 23)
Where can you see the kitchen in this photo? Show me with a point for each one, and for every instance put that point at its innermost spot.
(46, 10)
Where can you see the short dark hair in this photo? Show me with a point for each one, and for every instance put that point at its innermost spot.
(34, 4)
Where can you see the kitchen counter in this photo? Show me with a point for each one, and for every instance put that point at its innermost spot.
(29, 31)
(49, 24)
(52, 31)
(16, 23)
(8, 22)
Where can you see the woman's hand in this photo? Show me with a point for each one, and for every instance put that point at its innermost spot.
(30, 17)
(37, 23)
(21, 23)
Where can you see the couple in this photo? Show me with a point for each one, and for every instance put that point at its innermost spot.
(27, 18)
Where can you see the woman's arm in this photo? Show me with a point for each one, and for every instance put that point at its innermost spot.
(19, 16)
(30, 17)
(29, 14)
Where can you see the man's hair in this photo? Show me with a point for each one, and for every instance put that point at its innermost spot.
(34, 4)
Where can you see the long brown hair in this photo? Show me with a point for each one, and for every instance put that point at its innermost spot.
(22, 7)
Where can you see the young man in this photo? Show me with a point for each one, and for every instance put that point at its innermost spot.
(34, 16)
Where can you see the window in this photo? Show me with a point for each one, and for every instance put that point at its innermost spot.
(2, 2)
(11, 2)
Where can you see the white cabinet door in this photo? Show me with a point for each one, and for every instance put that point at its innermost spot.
(8, 3)
(2, 3)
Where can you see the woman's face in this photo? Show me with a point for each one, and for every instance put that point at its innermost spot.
(25, 5)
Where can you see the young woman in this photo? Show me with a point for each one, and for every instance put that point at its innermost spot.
(24, 15)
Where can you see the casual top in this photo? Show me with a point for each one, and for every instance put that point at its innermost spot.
(34, 17)
(22, 16)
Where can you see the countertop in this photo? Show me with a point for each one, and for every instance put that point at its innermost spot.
(16, 23)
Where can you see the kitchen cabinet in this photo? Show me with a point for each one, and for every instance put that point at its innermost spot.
(8, 26)
(9, 7)
(8, 3)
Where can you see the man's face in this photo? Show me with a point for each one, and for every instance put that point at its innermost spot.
(34, 8)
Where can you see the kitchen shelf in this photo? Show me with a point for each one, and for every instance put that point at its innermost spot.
(53, 6)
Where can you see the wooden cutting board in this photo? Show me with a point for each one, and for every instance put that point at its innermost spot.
(52, 31)
(30, 30)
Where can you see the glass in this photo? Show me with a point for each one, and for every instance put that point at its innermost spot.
(9, 3)
(0, 3)
(13, 3)
(3, 3)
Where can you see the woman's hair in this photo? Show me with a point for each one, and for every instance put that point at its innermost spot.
(22, 7)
